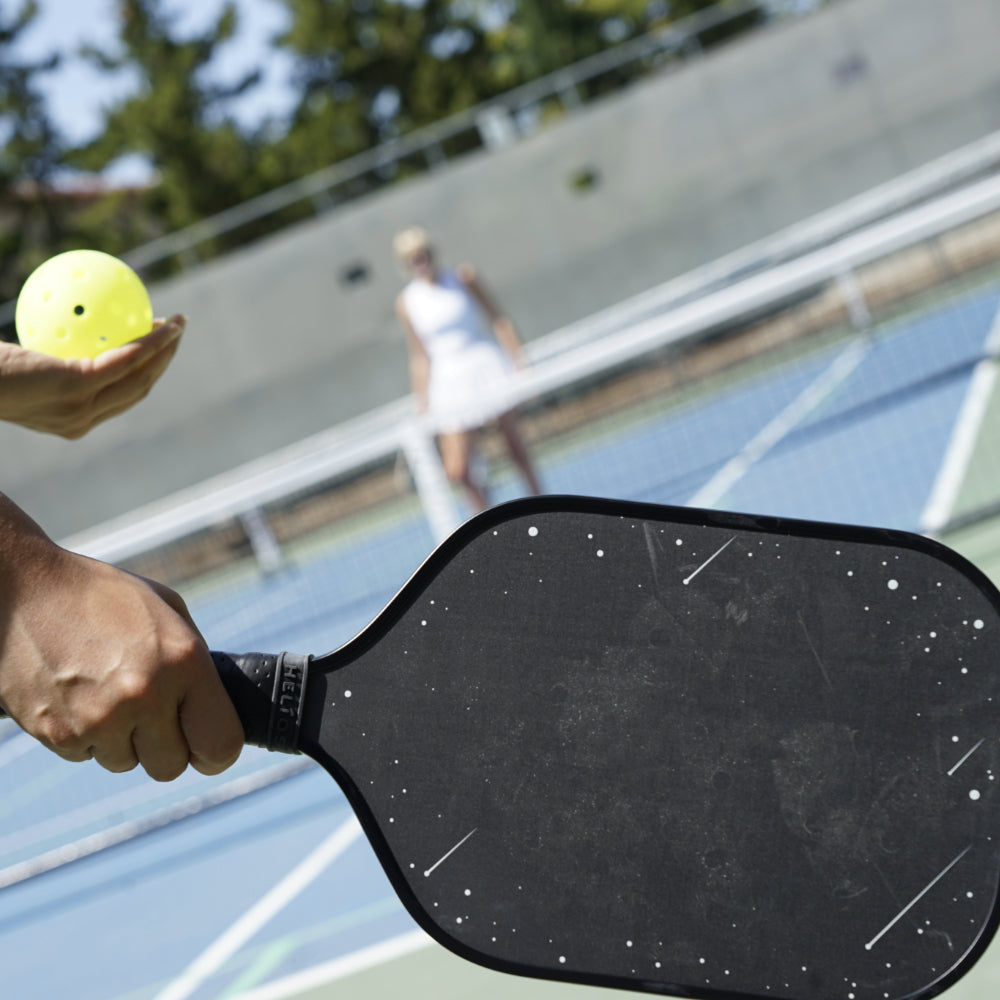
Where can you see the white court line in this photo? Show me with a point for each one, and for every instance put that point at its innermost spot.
(964, 436)
(229, 942)
(128, 830)
(782, 425)
(339, 968)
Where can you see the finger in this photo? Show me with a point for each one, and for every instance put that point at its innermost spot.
(112, 750)
(210, 725)
(121, 395)
(170, 596)
(119, 362)
(74, 754)
(139, 352)
(115, 384)
(161, 747)
(117, 756)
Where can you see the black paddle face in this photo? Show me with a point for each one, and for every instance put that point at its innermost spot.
(682, 752)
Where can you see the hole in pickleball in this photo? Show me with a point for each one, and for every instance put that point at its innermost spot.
(78, 310)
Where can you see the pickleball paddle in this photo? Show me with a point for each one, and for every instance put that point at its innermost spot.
(672, 750)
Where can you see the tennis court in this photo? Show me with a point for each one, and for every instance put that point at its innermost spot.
(257, 883)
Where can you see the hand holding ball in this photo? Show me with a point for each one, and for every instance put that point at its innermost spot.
(80, 303)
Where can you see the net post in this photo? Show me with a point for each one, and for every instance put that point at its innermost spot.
(263, 541)
(429, 478)
(854, 299)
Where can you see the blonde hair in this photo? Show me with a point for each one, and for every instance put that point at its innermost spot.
(408, 241)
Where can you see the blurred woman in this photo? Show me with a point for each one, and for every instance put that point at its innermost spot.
(462, 350)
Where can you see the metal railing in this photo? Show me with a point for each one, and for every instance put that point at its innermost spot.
(393, 429)
(956, 169)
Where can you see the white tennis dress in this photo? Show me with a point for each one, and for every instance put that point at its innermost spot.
(468, 370)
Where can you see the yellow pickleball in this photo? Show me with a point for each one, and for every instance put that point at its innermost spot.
(80, 303)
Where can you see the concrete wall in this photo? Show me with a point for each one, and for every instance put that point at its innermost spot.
(695, 162)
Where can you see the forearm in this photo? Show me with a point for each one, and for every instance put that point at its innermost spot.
(24, 550)
(29, 560)
(506, 334)
(420, 370)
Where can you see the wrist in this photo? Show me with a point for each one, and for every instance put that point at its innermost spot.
(28, 558)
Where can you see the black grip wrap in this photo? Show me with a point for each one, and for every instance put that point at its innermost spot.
(269, 693)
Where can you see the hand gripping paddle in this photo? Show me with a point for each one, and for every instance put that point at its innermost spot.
(672, 750)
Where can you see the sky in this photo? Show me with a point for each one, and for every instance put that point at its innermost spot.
(77, 92)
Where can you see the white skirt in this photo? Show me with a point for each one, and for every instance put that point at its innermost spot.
(470, 387)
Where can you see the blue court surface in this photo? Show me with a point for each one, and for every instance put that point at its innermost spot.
(115, 888)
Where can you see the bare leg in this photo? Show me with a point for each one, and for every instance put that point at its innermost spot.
(518, 450)
(456, 451)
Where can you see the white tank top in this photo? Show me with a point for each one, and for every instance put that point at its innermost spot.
(444, 315)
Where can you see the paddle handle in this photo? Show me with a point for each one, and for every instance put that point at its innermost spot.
(268, 691)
